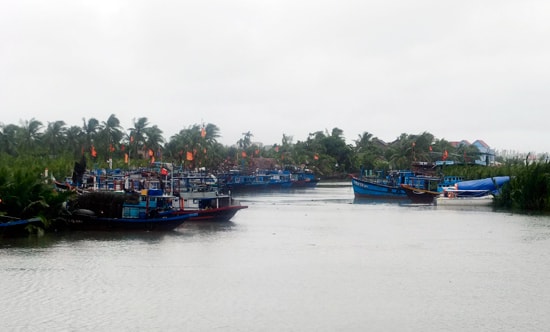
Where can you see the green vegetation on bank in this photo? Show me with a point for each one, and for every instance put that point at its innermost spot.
(25, 193)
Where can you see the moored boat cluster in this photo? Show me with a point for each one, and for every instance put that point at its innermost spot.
(426, 188)
(159, 197)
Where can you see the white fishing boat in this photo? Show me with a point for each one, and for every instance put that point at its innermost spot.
(473, 192)
(453, 197)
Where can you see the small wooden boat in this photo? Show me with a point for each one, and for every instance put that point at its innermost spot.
(472, 192)
(462, 198)
(420, 196)
(302, 178)
(209, 205)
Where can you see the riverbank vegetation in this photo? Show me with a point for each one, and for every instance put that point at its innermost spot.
(28, 149)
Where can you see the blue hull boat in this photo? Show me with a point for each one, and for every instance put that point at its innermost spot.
(365, 188)
(259, 181)
(149, 210)
(83, 220)
(396, 185)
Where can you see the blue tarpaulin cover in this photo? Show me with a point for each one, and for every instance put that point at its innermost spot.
(491, 184)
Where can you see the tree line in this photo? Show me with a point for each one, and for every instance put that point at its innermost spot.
(108, 144)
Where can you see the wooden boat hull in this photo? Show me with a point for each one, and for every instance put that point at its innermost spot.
(222, 214)
(86, 220)
(209, 205)
(420, 196)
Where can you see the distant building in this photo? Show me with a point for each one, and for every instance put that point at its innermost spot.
(486, 154)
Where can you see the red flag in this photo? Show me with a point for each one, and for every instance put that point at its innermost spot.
(445, 155)
(189, 155)
(94, 152)
(203, 132)
(111, 147)
(430, 148)
(125, 158)
(316, 157)
(151, 153)
(243, 154)
(163, 171)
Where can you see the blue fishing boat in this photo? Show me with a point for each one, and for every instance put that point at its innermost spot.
(260, 180)
(383, 186)
(149, 210)
(303, 178)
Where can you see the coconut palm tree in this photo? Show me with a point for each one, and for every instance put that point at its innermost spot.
(75, 141)
(29, 135)
(367, 151)
(137, 136)
(400, 151)
(90, 128)
(110, 135)
(8, 139)
(153, 138)
(245, 141)
(55, 137)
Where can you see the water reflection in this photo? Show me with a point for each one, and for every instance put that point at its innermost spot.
(380, 201)
(207, 227)
(53, 239)
(63, 238)
(470, 208)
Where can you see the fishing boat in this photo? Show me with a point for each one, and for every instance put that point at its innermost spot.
(13, 227)
(259, 180)
(422, 189)
(149, 210)
(380, 186)
(303, 178)
(453, 197)
(201, 195)
(419, 195)
(209, 206)
(472, 192)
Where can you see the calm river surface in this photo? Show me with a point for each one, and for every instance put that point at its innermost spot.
(312, 260)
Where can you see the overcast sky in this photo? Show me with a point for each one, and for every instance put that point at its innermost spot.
(456, 69)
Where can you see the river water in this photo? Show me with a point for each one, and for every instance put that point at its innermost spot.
(310, 260)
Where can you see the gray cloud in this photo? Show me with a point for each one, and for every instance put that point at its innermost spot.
(460, 70)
